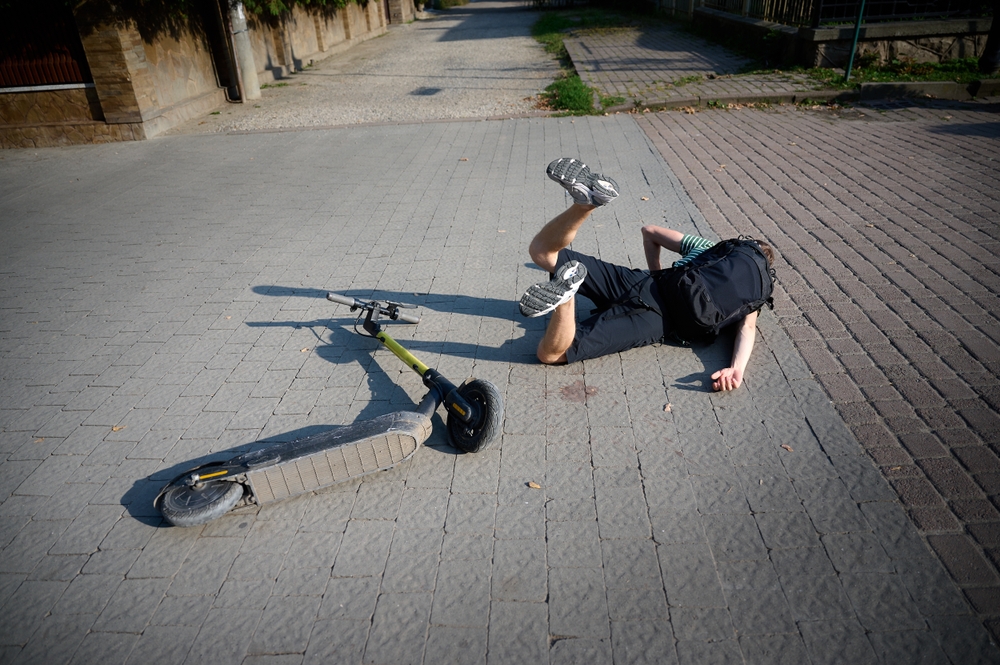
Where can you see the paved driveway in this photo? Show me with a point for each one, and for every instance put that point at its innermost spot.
(475, 61)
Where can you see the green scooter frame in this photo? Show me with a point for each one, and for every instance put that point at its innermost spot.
(474, 419)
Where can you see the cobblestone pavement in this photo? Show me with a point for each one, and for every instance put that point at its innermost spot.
(664, 66)
(886, 220)
(476, 61)
(156, 309)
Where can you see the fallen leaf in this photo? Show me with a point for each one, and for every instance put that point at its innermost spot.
(533, 485)
(502, 231)
(118, 428)
(645, 198)
(463, 159)
(228, 317)
(39, 440)
(793, 144)
(667, 407)
(304, 350)
(787, 447)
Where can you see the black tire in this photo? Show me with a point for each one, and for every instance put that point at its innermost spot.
(183, 505)
(478, 435)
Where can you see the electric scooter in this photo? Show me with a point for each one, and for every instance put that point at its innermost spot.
(276, 472)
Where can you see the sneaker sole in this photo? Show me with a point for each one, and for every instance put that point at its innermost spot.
(544, 297)
(568, 172)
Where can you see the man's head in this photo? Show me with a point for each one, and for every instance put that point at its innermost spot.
(766, 251)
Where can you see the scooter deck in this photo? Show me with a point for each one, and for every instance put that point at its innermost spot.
(317, 461)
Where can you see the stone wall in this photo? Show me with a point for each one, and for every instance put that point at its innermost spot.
(921, 41)
(69, 105)
(308, 35)
(141, 89)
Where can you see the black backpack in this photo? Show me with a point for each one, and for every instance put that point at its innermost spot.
(718, 287)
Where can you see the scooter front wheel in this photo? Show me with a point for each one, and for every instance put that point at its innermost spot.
(478, 435)
(187, 505)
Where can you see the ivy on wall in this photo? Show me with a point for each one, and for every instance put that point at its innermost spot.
(151, 17)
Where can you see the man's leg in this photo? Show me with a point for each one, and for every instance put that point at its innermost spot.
(558, 335)
(588, 190)
(556, 235)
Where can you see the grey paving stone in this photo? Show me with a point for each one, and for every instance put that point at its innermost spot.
(577, 603)
(723, 652)
(910, 646)
(962, 640)
(462, 595)
(882, 602)
(350, 598)
(787, 530)
(856, 553)
(568, 650)
(519, 571)
(734, 538)
(787, 648)
(132, 605)
(29, 603)
(227, 631)
(642, 642)
(702, 624)
(364, 548)
(335, 640)
(690, 577)
(100, 645)
(518, 632)
(56, 638)
(755, 598)
(286, 625)
(836, 642)
(398, 628)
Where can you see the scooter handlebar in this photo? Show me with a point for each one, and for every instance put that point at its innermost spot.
(392, 310)
(343, 300)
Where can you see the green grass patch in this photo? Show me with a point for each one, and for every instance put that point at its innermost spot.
(571, 95)
(448, 4)
(273, 85)
(867, 70)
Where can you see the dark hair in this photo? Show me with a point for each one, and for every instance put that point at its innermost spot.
(767, 251)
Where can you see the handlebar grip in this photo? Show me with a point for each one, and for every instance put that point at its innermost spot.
(343, 300)
(409, 318)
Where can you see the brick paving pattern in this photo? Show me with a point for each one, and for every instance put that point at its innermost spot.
(886, 222)
(664, 66)
(162, 303)
(158, 310)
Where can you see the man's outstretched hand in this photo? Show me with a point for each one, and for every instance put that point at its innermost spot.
(727, 379)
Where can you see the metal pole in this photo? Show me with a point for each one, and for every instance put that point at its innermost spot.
(854, 44)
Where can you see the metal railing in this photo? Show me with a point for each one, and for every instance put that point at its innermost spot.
(814, 13)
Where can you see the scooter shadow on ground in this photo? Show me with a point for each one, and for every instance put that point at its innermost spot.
(342, 346)
(512, 350)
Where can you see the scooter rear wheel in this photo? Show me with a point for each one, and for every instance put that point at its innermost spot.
(478, 435)
(184, 505)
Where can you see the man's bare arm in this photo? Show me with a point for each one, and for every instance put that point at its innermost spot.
(655, 237)
(731, 377)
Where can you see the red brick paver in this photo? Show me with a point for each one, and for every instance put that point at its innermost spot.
(886, 221)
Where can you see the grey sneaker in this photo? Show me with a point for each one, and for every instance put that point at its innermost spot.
(544, 297)
(583, 185)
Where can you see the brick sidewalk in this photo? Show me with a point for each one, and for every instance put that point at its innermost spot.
(664, 67)
(886, 222)
(157, 309)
